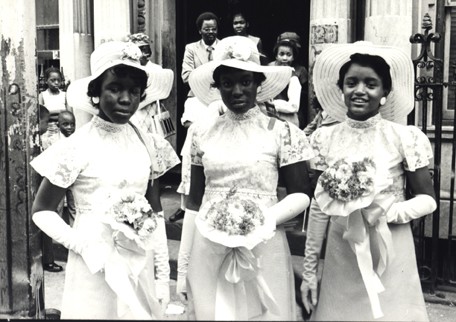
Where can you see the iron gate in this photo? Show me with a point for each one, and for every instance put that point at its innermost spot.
(435, 243)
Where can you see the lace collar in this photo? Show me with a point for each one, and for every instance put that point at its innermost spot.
(106, 126)
(251, 113)
(369, 123)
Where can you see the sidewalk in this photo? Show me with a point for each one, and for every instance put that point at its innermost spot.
(440, 307)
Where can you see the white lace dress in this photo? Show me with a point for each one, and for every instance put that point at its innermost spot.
(343, 295)
(102, 156)
(243, 152)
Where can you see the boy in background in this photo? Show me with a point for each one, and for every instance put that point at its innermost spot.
(67, 126)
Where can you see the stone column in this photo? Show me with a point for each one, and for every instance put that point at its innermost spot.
(21, 273)
(76, 38)
(111, 20)
(389, 22)
(330, 22)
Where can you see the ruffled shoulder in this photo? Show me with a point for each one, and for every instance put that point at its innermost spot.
(62, 162)
(163, 155)
(417, 149)
(319, 141)
(294, 146)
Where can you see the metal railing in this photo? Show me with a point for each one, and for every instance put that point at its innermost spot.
(435, 249)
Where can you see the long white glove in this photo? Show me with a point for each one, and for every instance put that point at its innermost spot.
(405, 211)
(316, 230)
(161, 259)
(93, 250)
(289, 207)
(294, 97)
(186, 243)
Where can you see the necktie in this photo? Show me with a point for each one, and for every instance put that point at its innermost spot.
(209, 50)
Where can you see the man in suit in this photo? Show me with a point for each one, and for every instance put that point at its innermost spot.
(196, 54)
(200, 52)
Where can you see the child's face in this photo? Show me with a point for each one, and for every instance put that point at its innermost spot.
(285, 55)
(119, 99)
(67, 124)
(239, 25)
(53, 81)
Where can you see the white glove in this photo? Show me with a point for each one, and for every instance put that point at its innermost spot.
(188, 229)
(161, 259)
(316, 230)
(289, 207)
(162, 294)
(94, 251)
(405, 211)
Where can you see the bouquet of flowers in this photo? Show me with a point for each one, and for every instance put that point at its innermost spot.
(346, 181)
(235, 221)
(348, 185)
(132, 215)
(351, 191)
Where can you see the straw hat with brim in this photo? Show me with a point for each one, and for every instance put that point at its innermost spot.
(110, 54)
(241, 53)
(399, 102)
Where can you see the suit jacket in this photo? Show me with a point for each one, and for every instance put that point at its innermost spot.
(195, 55)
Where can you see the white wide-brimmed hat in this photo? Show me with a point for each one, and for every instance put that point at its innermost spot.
(110, 54)
(241, 53)
(400, 100)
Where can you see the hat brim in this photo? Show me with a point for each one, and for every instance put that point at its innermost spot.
(201, 79)
(159, 85)
(400, 101)
(77, 98)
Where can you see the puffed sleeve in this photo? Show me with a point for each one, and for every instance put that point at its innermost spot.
(61, 163)
(416, 148)
(164, 157)
(294, 146)
(318, 142)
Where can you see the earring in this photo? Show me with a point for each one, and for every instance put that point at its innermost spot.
(383, 100)
(259, 89)
(95, 100)
(343, 97)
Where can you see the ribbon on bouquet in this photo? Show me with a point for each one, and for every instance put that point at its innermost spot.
(126, 275)
(242, 292)
(359, 225)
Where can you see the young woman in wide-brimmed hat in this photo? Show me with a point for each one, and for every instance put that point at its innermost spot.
(112, 170)
(370, 270)
(233, 246)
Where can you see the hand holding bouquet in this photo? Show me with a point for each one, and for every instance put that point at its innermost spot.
(131, 215)
(238, 223)
(351, 191)
(235, 221)
(349, 185)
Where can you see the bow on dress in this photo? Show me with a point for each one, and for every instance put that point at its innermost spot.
(362, 218)
(242, 292)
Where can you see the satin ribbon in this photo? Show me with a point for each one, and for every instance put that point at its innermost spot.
(125, 273)
(359, 225)
(242, 292)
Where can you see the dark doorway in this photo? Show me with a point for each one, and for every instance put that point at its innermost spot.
(268, 19)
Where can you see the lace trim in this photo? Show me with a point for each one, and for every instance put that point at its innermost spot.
(107, 126)
(370, 122)
(251, 113)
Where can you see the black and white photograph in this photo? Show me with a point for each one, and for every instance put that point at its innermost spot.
(233, 160)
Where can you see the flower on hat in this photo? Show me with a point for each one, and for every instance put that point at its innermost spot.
(138, 37)
(131, 52)
(238, 52)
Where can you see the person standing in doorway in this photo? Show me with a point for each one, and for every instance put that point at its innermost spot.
(290, 104)
(241, 28)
